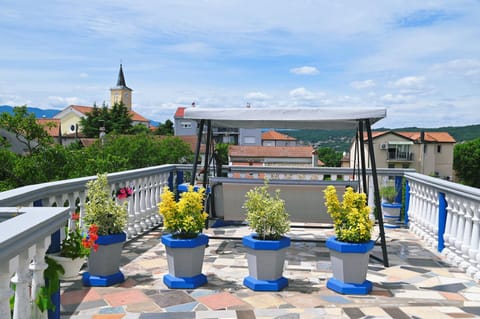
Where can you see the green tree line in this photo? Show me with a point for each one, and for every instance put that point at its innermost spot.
(45, 161)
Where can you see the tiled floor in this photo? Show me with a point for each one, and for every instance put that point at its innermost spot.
(418, 284)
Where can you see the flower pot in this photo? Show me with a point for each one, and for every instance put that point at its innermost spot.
(185, 261)
(391, 214)
(70, 266)
(104, 264)
(265, 259)
(349, 266)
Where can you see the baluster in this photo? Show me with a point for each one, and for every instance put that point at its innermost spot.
(143, 193)
(460, 232)
(452, 209)
(37, 267)
(5, 291)
(473, 252)
(465, 248)
(138, 191)
(22, 305)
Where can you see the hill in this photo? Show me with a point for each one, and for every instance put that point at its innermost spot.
(340, 140)
(39, 113)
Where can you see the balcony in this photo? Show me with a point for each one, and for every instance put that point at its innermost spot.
(433, 258)
(399, 156)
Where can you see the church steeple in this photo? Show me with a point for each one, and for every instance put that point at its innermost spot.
(121, 92)
(121, 78)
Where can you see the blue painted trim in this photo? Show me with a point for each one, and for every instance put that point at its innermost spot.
(343, 247)
(89, 280)
(184, 282)
(169, 241)
(265, 285)
(170, 181)
(349, 289)
(392, 205)
(398, 188)
(111, 239)
(407, 201)
(251, 241)
(442, 220)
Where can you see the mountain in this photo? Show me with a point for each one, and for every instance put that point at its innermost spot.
(341, 140)
(39, 113)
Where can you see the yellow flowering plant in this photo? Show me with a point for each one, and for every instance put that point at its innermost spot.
(185, 218)
(351, 218)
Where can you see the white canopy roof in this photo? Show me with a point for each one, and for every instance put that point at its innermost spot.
(287, 118)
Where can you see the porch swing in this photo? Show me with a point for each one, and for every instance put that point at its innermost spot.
(357, 118)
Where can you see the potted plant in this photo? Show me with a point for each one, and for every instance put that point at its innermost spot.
(75, 247)
(267, 245)
(390, 208)
(110, 218)
(350, 247)
(185, 245)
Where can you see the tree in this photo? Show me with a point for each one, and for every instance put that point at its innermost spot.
(26, 129)
(466, 162)
(116, 119)
(329, 156)
(165, 128)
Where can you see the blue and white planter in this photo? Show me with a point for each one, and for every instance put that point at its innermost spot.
(104, 264)
(266, 259)
(185, 261)
(391, 214)
(349, 266)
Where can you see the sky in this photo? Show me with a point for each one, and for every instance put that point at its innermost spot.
(418, 59)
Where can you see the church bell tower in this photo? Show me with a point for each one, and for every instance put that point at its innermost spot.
(121, 92)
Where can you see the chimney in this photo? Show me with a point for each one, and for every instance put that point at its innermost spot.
(193, 104)
(314, 158)
(422, 137)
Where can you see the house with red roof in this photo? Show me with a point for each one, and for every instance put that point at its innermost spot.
(71, 115)
(429, 153)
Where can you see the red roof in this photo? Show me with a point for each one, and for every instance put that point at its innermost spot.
(274, 135)
(180, 112)
(269, 151)
(87, 109)
(439, 137)
(54, 130)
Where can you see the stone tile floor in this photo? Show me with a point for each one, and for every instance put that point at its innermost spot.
(418, 284)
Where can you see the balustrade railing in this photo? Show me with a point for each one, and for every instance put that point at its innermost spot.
(446, 216)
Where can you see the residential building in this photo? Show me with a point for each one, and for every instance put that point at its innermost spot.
(429, 153)
(299, 156)
(274, 138)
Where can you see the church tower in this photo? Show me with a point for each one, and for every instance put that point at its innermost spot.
(121, 92)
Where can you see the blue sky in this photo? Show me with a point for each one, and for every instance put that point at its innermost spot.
(418, 59)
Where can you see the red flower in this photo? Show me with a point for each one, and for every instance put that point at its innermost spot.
(90, 240)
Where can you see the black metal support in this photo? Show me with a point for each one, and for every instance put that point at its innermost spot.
(207, 153)
(362, 158)
(197, 151)
(376, 192)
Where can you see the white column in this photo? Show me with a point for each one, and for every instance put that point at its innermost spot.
(5, 291)
(37, 267)
(23, 304)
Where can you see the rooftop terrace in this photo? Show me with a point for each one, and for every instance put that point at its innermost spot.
(418, 284)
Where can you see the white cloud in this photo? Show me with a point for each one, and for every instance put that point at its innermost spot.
(257, 96)
(409, 82)
(462, 67)
(397, 98)
(304, 70)
(362, 84)
(58, 101)
(302, 94)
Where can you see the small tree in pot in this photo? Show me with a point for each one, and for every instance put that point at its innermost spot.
(266, 247)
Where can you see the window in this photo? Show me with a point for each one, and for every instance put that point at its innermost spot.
(439, 148)
(186, 124)
(72, 128)
(249, 140)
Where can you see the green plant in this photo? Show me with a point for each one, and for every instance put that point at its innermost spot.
(101, 208)
(185, 218)
(76, 244)
(351, 218)
(388, 193)
(266, 214)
